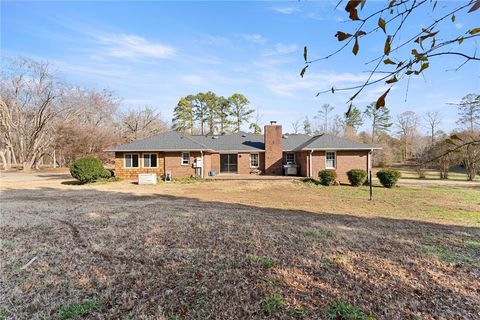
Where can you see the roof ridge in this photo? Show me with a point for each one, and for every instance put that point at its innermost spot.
(196, 142)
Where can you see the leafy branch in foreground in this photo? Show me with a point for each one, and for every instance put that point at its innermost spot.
(402, 58)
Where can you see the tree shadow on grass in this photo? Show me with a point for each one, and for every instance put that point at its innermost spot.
(160, 255)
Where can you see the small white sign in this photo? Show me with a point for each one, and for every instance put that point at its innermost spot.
(147, 178)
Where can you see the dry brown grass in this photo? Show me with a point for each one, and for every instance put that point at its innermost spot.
(224, 249)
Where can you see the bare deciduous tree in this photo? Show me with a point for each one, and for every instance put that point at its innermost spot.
(433, 120)
(407, 126)
(139, 124)
(31, 105)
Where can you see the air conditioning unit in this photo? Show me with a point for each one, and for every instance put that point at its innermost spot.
(147, 178)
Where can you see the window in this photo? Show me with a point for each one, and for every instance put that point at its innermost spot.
(131, 161)
(185, 158)
(330, 160)
(254, 160)
(290, 157)
(150, 160)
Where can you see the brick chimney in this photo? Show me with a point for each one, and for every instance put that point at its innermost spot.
(273, 149)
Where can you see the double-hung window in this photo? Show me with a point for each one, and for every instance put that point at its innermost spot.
(150, 160)
(330, 160)
(290, 157)
(131, 160)
(254, 160)
(185, 158)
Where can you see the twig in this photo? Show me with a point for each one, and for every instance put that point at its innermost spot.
(29, 263)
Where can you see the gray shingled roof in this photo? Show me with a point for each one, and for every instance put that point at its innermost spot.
(167, 141)
(241, 141)
(326, 141)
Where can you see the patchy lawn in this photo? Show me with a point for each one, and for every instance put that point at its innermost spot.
(237, 249)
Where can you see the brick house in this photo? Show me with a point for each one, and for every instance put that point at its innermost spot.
(273, 153)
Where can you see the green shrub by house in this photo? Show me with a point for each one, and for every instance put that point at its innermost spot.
(88, 169)
(327, 177)
(357, 177)
(388, 177)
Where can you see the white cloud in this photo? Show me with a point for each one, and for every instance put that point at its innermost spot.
(255, 38)
(288, 85)
(286, 10)
(285, 49)
(134, 47)
(193, 79)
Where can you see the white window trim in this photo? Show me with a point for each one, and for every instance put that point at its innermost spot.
(335, 153)
(125, 160)
(294, 158)
(143, 160)
(258, 160)
(181, 158)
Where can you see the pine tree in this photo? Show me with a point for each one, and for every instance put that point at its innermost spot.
(307, 126)
(212, 115)
(352, 121)
(183, 117)
(240, 112)
(200, 110)
(381, 120)
(224, 112)
(255, 128)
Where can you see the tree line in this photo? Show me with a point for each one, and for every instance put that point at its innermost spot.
(45, 119)
(401, 137)
(209, 114)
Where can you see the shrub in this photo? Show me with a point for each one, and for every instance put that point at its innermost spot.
(357, 177)
(327, 177)
(388, 177)
(89, 169)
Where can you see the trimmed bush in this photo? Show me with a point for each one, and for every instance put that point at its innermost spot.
(388, 177)
(327, 177)
(357, 177)
(89, 169)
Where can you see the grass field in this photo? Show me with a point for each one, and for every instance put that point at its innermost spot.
(237, 249)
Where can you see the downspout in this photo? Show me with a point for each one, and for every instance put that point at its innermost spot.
(203, 164)
(310, 170)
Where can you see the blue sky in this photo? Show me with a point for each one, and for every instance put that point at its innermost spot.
(153, 53)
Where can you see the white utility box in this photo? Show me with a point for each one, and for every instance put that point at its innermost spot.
(198, 163)
(147, 178)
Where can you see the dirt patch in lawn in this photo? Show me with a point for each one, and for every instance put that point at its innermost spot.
(121, 250)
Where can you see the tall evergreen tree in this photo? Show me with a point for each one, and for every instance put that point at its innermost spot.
(183, 115)
(255, 128)
(224, 112)
(200, 110)
(352, 121)
(381, 120)
(240, 112)
(211, 100)
(307, 126)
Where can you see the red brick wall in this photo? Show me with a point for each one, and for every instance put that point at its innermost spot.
(215, 162)
(132, 173)
(301, 158)
(346, 160)
(243, 163)
(207, 163)
(273, 150)
(173, 164)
